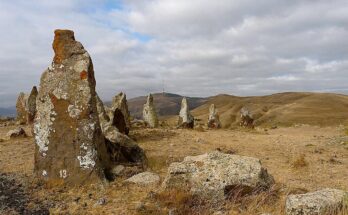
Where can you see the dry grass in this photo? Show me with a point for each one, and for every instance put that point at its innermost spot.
(278, 149)
(300, 162)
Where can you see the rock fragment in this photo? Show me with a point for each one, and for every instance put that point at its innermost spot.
(16, 133)
(144, 178)
(214, 119)
(149, 113)
(322, 202)
(186, 120)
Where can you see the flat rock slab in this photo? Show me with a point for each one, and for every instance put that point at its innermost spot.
(326, 201)
(144, 178)
(215, 175)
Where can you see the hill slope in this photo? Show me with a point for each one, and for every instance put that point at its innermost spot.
(280, 109)
(166, 104)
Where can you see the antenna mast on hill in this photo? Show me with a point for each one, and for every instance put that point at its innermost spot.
(163, 92)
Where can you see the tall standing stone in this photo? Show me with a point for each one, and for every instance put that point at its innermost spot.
(31, 105)
(149, 113)
(246, 119)
(69, 142)
(214, 119)
(186, 120)
(21, 109)
(119, 114)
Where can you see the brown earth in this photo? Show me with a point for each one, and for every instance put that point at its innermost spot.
(301, 159)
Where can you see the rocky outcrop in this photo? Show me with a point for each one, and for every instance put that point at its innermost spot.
(70, 145)
(149, 113)
(21, 108)
(214, 119)
(16, 133)
(322, 202)
(186, 120)
(119, 114)
(214, 176)
(31, 105)
(144, 178)
(246, 119)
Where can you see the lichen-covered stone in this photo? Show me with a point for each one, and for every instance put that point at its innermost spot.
(214, 119)
(119, 114)
(69, 142)
(21, 108)
(186, 120)
(246, 119)
(149, 113)
(214, 176)
(31, 105)
(322, 202)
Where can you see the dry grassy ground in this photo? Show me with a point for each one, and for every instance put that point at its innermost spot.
(301, 159)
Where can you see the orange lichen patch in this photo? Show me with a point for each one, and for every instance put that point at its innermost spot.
(62, 44)
(83, 75)
(53, 98)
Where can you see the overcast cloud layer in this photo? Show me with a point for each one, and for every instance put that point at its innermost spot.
(196, 47)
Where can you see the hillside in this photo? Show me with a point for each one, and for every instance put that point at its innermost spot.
(10, 111)
(166, 104)
(280, 109)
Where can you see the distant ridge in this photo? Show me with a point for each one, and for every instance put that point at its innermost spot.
(10, 111)
(287, 109)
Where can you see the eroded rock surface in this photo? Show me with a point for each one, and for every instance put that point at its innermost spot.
(322, 202)
(186, 120)
(21, 109)
(214, 119)
(149, 113)
(246, 119)
(69, 142)
(119, 114)
(215, 175)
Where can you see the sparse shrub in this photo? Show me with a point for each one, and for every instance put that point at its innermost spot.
(300, 162)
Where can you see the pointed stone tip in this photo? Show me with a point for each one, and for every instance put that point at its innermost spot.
(62, 44)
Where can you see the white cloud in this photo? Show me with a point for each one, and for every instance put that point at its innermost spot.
(197, 47)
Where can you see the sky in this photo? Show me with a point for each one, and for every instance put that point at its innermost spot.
(192, 48)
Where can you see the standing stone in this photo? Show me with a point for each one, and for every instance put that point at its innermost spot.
(119, 114)
(70, 145)
(214, 119)
(246, 119)
(21, 108)
(31, 105)
(149, 113)
(186, 120)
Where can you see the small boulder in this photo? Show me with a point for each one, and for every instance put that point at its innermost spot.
(322, 202)
(214, 119)
(149, 113)
(246, 119)
(144, 178)
(215, 175)
(186, 120)
(15, 133)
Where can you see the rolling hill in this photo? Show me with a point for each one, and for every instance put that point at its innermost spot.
(280, 109)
